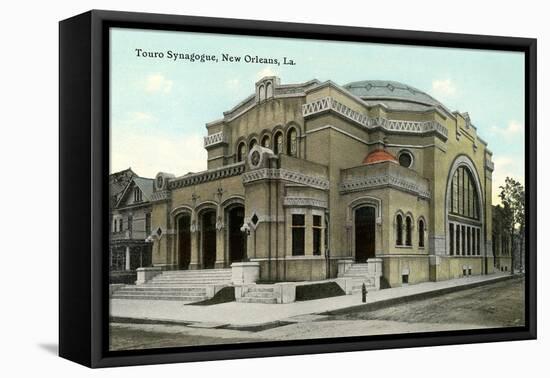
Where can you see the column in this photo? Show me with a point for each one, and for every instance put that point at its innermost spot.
(127, 262)
(220, 247)
(308, 233)
(474, 251)
(195, 255)
(458, 236)
(195, 243)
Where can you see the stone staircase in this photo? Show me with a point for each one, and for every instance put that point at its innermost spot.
(359, 273)
(259, 294)
(177, 285)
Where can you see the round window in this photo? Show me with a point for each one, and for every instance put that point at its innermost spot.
(405, 159)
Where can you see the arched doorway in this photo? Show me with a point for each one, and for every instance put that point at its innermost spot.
(208, 238)
(236, 238)
(365, 219)
(184, 241)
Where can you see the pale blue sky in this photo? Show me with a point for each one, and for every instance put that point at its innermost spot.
(159, 107)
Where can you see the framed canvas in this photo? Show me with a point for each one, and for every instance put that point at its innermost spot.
(236, 188)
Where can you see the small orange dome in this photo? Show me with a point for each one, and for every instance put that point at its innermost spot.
(378, 156)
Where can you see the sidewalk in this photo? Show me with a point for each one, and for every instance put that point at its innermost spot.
(254, 314)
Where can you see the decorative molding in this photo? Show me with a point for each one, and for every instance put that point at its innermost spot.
(489, 164)
(210, 175)
(162, 195)
(414, 127)
(284, 174)
(371, 182)
(215, 139)
(304, 202)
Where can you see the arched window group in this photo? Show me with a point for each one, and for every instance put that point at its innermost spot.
(277, 144)
(265, 91)
(464, 196)
(404, 230)
(464, 226)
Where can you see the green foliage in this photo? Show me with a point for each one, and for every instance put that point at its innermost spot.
(512, 213)
(512, 195)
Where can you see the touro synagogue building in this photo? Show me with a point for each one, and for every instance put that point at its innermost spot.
(309, 181)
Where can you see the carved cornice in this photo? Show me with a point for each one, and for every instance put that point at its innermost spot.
(283, 174)
(365, 183)
(215, 139)
(210, 175)
(304, 202)
(413, 127)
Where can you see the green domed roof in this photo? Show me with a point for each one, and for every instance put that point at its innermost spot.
(394, 92)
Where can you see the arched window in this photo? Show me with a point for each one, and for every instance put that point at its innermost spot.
(421, 233)
(399, 230)
(138, 197)
(464, 196)
(464, 212)
(408, 231)
(241, 151)
(268, 90)
(266, 141)
(292, 142)
(278, 146)
(252, 143)
(261, 93)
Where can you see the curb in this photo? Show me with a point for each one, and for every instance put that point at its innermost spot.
(363, 307)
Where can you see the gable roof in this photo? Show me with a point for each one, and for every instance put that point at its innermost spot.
(118, 182)
(144, 184)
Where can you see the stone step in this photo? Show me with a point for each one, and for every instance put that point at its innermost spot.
(190, 278)
(198, 271)
(188, 283)
(191, 275)
(259, 294)
(157, 295)
(257, 300)
(164, 289)
(260, 289)
(200, 278)
(182, 298)
(358, 276)
(357, 270)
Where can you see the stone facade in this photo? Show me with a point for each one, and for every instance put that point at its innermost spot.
(290, 185)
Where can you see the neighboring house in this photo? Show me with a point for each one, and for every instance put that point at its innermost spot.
(131, 226)
(302, 177)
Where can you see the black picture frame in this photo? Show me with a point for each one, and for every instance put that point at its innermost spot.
(83, 196)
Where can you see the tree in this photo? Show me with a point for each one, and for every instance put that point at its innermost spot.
(512, 196)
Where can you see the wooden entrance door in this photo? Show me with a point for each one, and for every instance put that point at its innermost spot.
(184, 241)
(209, 239)
(237, 245)
(364, 233)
